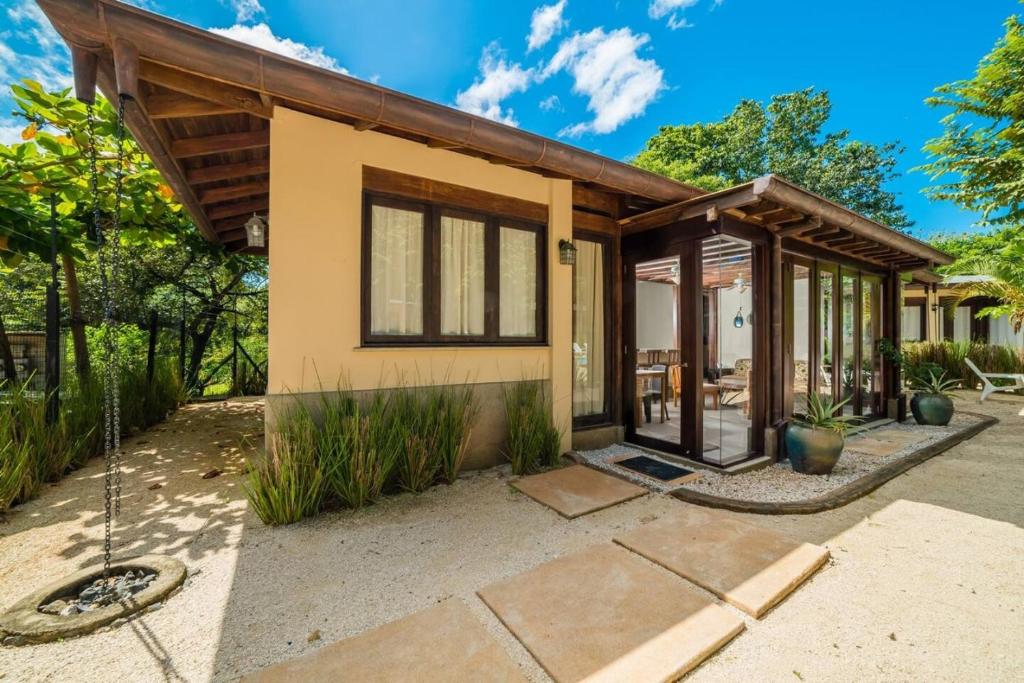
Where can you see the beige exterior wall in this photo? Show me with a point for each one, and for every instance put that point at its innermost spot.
(315, 248)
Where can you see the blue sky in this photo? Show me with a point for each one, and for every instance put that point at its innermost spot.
(603, 74)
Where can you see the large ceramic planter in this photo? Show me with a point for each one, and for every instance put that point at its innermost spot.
(934, 410)
(813, 451)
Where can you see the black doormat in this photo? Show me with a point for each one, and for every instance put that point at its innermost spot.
(654, 468)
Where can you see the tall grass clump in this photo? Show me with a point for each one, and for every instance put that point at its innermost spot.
(532, 439)
(416, 415)
(458, 408)
(361, 453)
(289, 484)
(948, 357)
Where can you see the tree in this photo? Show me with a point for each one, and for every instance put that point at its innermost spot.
(1000, 256)
(982, 144)
(787, 138)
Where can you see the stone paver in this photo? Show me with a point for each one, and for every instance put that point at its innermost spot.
(605, 614)
(746, 565)
(577, 490)
(443, 643)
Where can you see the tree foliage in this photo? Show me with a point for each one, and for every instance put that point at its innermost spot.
(982, 144)
(788, 138)
(999, 255)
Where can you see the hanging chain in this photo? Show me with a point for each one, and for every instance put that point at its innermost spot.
(111, 368)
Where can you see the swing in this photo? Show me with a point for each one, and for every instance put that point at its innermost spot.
(99, 595)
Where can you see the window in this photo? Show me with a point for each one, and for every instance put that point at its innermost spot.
(591, 366)
(440, 275)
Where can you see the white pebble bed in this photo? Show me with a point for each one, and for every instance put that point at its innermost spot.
(778, 483)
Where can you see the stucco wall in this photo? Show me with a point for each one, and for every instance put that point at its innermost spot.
(316, 171)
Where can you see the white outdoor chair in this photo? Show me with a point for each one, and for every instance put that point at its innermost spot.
(987, 387)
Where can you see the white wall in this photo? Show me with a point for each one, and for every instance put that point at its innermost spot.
(734, 343)
(1001, 332)
(655, 315)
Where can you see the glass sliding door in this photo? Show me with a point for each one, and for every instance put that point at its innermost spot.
(826, 330)
(656, 384)
(848, 353)
(729, 373)
(871, 333)
(590, 346)
(800, 373)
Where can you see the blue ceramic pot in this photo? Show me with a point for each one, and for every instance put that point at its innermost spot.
(813, 451)
(934, 410)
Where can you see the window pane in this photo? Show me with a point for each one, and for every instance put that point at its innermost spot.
(826, 310)
(462, 276)
(518, 300)
(910, 328)
(801, 337)
(849, 336)
(871, 319)
(396, 271)
(588, 347)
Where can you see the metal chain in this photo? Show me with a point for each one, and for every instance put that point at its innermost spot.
(101, 256)
(115, 268)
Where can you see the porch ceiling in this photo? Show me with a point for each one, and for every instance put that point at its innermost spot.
(791, 212)
(204, 103)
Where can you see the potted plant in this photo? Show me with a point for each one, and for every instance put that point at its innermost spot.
(814, 440)
(932, 404)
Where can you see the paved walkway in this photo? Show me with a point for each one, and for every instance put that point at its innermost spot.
(924, 580)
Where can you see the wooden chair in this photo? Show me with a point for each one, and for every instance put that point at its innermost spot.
(676, 374)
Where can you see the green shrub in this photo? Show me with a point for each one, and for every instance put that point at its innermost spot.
(360, 455)
(532, 439)
(289, 484)
(416, 415)
(948, 357)
(456, 414)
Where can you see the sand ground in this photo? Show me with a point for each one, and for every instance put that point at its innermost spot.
(925, 581)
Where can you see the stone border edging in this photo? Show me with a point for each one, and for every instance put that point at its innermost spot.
(846, 494)
(24, 620)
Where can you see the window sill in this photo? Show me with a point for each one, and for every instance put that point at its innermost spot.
(511, 346)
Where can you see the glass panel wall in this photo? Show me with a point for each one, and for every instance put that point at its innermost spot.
(589, 393)
(871, 327)
(656, 400)
(729, 371)
(848, 330)
(802, 342)
(826, 329)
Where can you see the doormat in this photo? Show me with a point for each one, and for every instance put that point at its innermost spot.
(657, 469)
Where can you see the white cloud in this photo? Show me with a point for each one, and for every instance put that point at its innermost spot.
(497, 81)
(246, 10)
(260, 35)
(10, 131)
(551, 103)
(607, 68)
(545, 23)
(50, 65)
(672, 9)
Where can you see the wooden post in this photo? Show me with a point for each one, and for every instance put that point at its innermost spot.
(777, 374)
(234, 348)
(84, 64)
(154, 319)
(52, 326)
(182, 341)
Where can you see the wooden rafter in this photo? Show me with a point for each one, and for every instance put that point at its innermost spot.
(223, 194)
(812, 223)
(209, 174)
(217, 144)
(174, 105)
(229, 96)
(239, 209)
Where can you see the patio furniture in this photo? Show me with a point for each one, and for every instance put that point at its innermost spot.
(644, 390)
(738, 382)
(986, 378)
(711, 390)
(676, 372)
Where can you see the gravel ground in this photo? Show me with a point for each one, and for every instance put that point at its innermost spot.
(779, 483)
(924, 582)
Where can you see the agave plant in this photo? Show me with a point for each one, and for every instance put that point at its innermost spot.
(824, 413)
(935, 384)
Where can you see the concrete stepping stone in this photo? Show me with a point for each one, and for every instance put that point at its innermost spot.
(605, 614)
(577, 490)
(442, 643)
(746, 565)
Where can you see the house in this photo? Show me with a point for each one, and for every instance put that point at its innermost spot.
(411, 242)
(934, 311)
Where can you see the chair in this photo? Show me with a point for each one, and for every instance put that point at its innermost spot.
(987, 387)
(676, 373)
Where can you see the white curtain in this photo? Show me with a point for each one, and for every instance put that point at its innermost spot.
(462, 276)
(396, 271)
(588, 329)
(1001, 332)
(962, 324)
(910, 328)
(518, 299)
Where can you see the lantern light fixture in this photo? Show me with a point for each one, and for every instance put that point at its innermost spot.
(738, 320)
(256, 231)
(566, 252)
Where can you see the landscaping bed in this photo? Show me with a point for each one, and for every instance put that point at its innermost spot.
(777, 489)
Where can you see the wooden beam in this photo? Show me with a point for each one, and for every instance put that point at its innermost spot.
(824, 231)
(364, 125)
(254, 206)
(844, 240)
(174, 105)
(223, 194)
(217, 144)
(231, 223)
(591, 221)
(812, 223)
(595, 201)
(85, 67)
(441, 144)
(211, 174)
(229, 96)
(126, 68)
(689, 208)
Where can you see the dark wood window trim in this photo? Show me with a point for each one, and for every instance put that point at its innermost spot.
(432, 336)
(923, 303)
(603, 418)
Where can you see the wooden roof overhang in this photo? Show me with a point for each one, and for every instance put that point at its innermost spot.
(807, 221)
(201, 106)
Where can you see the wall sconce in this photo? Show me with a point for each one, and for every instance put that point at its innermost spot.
(738, 320)
(256, 231)
(566, 252)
